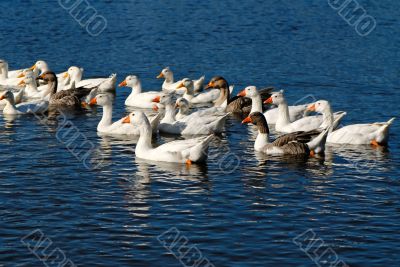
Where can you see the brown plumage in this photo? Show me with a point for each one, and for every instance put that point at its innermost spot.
(67, 98)
(289, 144)
(236, 104)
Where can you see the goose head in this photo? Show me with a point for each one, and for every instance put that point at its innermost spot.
(218, 82)
(258, 119)
(49, 78)
(250, 91)
(276, 98)
(101, 100)
(41, 65)
(130, 81)
(182, 104)
(167, 74)
(137, 118)
(321, 106)
(74, 74)
(188, 84)
(164, 100)
(8, 96)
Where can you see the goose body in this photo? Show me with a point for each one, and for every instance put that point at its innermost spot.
(170, 86)
(137, 98)
(298, 143)
(181, 151)
(357, 134)
(106, 126)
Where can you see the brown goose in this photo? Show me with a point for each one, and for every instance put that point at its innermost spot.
(298, 143)
(236, 104)
(66, 98)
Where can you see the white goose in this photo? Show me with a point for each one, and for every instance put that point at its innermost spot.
(106, 125)
(298, 143)
(32, 107)
(31, 90)
(74, 75)
(295, 112)
(181, 151)
(201, 115)
(170, 125)
(170, 86)
(201, 98)
(357, 134)
(5, 80)
(309, 123)
(137, 98)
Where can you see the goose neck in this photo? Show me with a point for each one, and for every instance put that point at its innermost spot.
(256, 104)
(283, 117)
(106, 119)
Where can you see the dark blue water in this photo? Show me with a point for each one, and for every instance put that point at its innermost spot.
(112, 216)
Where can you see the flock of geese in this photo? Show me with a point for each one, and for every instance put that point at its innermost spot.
(39, 90)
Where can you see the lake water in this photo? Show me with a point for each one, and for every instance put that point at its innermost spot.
(113, 215)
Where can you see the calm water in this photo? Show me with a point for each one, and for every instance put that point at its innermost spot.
(112, 216)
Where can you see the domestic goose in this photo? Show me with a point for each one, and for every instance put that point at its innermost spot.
(32, 107)
(106, 126)
(5, 80)
(283, 123)
(65, 98)
(295, 112)
(170, 125)
(170, 86)
(74, 75)
(137, 98)
(237, 104)
(181, 151)
(200, 98)
(200, 115)
(357, 134)
(297, 143)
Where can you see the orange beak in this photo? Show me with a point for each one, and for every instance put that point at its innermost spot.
(93, 102)
(181, 85)
(21, 75)
(33, 67)
(2, 97)
(177, 105)
(210, 85)
(155, 108)
(127, 119)
(41, 76)
(247, 120)
(123, 83)
(65, 75)
(21, 83)
(161, 75)
(156, 99)
(311, 107)
(268, 101)
(242, 93)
